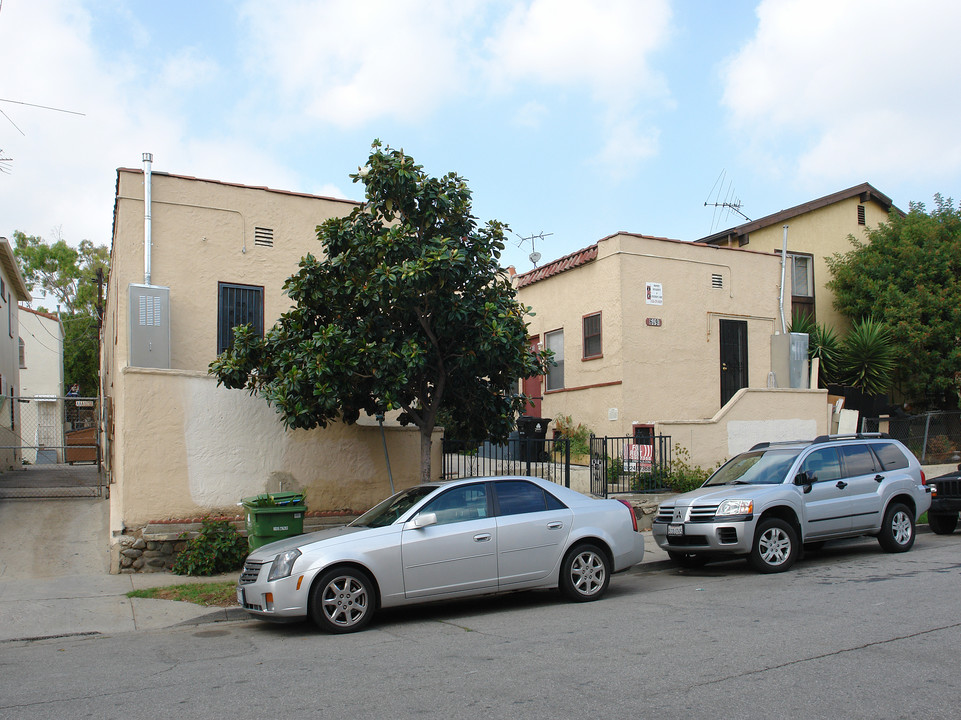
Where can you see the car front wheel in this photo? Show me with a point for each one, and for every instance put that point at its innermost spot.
(942, 524)
(897, 530)
(775, 546)
(585, 573)
(342, 601)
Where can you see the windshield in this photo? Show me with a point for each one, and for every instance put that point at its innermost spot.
(758, 467)
(389, 510)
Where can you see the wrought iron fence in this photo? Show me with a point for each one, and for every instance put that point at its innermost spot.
(626, 465)
(934, 437)
(534, 457)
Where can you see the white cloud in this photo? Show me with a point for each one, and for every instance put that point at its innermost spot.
(347, 62)
(601, 46)
(859, 84)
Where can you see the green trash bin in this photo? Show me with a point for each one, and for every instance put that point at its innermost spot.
(274, 516)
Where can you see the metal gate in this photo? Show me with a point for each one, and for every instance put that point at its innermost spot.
(629, 464)
(50, 447)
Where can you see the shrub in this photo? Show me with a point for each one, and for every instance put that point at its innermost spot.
(682, 476)
(578, 434)
(217, 548)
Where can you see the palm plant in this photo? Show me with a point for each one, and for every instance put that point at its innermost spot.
(867, 358)
(823, 343)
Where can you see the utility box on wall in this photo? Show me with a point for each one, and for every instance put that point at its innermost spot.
(789, 360)
(149, 326)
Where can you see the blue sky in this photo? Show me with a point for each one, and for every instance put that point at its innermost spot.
(578, 119)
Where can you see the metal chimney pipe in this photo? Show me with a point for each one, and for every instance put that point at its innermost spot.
(147, 240)
(783, 267)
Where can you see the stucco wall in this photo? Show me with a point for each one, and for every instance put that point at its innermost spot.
(191, 448)
(752, 416)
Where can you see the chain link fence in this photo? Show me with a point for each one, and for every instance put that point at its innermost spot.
(934, 437)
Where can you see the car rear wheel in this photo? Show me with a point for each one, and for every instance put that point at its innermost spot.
(342, 601)
(687, 560)
(585, 573)
(942, 524)
(775, 546)
(897, 530)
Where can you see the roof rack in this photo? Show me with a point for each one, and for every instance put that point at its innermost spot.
(851, 436)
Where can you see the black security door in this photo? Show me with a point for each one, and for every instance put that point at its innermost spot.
(733, 358)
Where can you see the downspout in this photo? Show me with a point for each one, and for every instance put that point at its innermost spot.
(783, 266)
(147, 160)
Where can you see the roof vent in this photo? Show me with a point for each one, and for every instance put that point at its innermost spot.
(264, 237)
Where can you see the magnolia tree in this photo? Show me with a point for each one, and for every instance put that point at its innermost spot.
(407, 309)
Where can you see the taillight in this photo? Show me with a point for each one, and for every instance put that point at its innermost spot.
(631, 510)
(924, 480)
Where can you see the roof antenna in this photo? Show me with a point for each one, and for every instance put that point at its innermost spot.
(535, 256)
(723, 208)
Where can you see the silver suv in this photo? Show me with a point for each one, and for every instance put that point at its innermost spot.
(768, 502)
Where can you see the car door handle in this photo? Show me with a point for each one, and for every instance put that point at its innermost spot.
(556, 525)
(841, 485)
(878, 478)
(484, 537)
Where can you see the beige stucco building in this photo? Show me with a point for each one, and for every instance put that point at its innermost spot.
(13, 290)
(41, 384)
(649, 331)
(175, 444)
(816, 230)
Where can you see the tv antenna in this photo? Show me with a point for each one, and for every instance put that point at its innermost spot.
(723, 200)
(535, 256)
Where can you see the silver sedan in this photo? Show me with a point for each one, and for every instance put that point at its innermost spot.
(440, 541)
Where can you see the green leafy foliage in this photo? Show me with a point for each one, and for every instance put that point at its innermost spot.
(578, 433)
(682, 475)
(407, 309)
(867, 357)
(908, 277)
(217, 548)
(69, 277)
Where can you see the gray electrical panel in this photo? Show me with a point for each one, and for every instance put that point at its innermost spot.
(149, 326)
(789, 360)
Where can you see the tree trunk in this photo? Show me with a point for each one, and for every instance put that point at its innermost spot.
(425, 447)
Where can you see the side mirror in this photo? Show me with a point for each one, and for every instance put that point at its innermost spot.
(804, 478)
(424, 520)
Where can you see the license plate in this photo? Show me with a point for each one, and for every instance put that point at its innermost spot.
(675, 530)
(240, 597)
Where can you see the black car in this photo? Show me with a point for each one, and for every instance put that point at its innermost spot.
(945, 502)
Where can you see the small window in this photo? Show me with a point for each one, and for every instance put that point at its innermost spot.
(890, 456)
(23, 355)
(802, 275)
(516, 497)
(592, 336)
(861, 218)
(858, 460)
(555, 373)
(238, 305)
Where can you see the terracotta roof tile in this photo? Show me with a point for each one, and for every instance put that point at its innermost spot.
(568, 262)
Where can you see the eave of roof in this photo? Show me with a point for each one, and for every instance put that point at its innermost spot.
(556, 267)
(864, 191)
(12, 271)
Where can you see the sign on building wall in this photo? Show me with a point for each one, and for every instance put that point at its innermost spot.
(655, 293)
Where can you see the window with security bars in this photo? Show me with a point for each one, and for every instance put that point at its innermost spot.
(238, 305)
(592, 336)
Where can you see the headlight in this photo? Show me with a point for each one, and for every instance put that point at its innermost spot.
(735, 507)
(283, 564)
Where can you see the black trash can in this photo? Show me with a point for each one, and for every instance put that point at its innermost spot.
(532, 432)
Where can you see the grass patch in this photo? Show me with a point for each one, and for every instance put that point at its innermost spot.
(215, 594)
